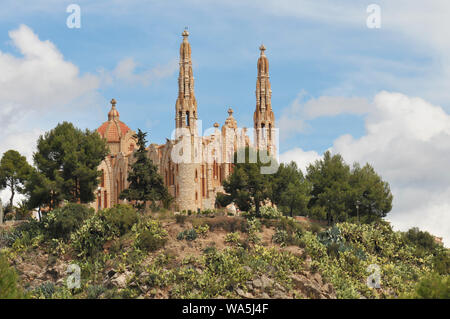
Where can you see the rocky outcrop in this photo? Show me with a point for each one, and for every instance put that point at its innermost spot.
(304, 285)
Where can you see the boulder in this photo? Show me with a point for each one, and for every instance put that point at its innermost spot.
(231, 209)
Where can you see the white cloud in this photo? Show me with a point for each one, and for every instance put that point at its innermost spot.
(293, 118)
(407, 140)
(39, 79)
(34, 87)
(301, 157)
(126, 70)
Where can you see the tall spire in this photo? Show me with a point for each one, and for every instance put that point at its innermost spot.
(263, 118)
(186, 105)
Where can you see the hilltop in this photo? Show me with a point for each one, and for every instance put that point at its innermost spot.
(125, 253)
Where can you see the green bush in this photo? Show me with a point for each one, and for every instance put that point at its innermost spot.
(433, 286)
(232, 238)
(229, 224)
(422, 240)
(223, 200)
(441, 262)
(61, 222)
(45, 290)
(270, 212)
(152, 237)
(88, 240)
(315, 228)
(9, 288)
(280, 237)
(188, 234)
(93, 292)
(202, 230)
(120, 217)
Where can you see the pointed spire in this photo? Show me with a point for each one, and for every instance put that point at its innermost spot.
(113, 114)
(263, 91)
(262, 48)
(186, 105)
(263, 118)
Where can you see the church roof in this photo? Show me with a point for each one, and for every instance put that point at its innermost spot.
(113, 129)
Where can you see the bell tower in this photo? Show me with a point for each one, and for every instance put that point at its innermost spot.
(186, 105)
(263, 118)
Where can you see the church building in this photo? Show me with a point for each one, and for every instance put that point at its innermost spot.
(192, 166)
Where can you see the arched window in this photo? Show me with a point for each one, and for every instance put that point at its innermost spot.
(102, 179)
(106, 200)
(187, 118)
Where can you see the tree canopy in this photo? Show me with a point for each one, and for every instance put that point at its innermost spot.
(66, 161)
(14, 171)
(342, 193)
(247, 186)
(331, 190)
(290, 190)
(146, 184)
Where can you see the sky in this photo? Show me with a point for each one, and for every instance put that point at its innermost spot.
(375, 95)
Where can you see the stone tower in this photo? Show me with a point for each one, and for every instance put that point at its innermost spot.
(186, 105)
(263, 118)
(186, 189)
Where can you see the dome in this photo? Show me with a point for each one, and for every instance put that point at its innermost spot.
(113, 129)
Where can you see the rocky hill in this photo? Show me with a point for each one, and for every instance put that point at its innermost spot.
(122, 253)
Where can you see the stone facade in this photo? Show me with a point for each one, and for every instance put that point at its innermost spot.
(192, 166)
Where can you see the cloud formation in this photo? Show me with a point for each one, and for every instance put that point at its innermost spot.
(407, 140)
(36, 83)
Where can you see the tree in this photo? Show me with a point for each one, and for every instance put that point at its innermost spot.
(67, 159)
(14, 171)
(146, 184)
(371, 197)
(246, 185)
(290, 190)
(42, 192)
(330, 186)
(346, 193)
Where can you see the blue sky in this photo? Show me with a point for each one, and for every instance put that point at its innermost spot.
(333, 79)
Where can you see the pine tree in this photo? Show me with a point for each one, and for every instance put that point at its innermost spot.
(146, 184)
(14, 171)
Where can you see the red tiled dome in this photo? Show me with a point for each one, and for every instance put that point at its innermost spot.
(113, 129)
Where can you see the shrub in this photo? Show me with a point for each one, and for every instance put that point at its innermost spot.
(188, 234)
(152, 237)
(315, 228)
(202, 230)
(8, 281)
(441, 262)
(25, 232)
(433, 286)
(93, 292)
(61, 222)
(229, 224)
(270, 212)
(89, 239)
(280, 237)
(423, 241)
(232, 238)
(253, 230)
(45, 290)
(120, 217)
(223, 200)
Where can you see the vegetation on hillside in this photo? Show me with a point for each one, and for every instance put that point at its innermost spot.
(123, 253)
